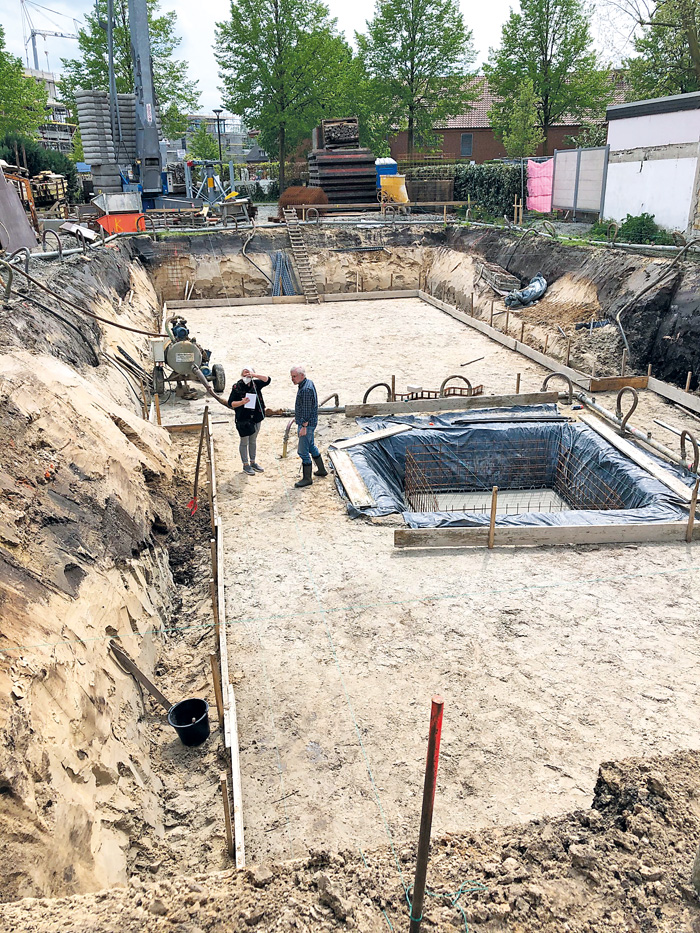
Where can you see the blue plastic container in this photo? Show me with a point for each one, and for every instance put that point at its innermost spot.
(385, 167)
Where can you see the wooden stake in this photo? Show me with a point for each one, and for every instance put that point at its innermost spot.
(517, 384)
(546, 341)
(492, 523)
(691, 517)
(522, 332)
(426, 818)
(491, 321)
(393, 388)
(242, 287)
(568, 351)
(216, 677)
(471, 304)
(143, 398)
(649, 370)
(444, 214)
(391, 282)
(214, 564)
(215, 607)
(687, 382)
(227, 813)
(623, 367)
(507, 319)
(156, 399)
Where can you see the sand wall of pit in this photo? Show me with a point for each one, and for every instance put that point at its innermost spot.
(586, 283)
(81, 560)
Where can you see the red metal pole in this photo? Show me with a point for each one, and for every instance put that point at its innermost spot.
(426, 819)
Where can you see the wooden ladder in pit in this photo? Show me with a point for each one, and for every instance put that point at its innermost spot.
(300, 255)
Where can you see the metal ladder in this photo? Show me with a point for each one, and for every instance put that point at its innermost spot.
(301, 257)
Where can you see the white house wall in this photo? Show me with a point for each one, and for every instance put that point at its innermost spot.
(662, 187)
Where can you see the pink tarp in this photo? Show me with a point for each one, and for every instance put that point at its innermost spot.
(540, 179)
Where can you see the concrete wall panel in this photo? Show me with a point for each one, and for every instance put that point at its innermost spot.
(663, 188)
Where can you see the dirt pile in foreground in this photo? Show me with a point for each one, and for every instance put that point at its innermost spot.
(623, 865)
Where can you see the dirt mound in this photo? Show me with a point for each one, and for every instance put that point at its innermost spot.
(623, 865)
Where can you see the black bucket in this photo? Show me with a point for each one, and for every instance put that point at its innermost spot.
(190, 719)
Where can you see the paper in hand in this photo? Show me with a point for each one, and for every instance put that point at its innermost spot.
(252, 398)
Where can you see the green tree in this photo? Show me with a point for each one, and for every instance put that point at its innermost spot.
(663, 64)
(522, 135)
(175, 92)
(202, 144)
(281, 64)
(549, 43)
(418, 54)
(670, 42)
(22, 100)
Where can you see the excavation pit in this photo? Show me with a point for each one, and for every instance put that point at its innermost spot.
(549, 472)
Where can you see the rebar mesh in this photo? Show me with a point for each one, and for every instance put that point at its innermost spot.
(436, 472)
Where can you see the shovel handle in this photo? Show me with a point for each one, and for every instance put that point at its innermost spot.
(129, 665)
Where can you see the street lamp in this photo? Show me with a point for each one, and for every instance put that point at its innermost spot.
(218, 133)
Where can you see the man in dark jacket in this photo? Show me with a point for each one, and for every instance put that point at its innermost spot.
(246, 398)
(306, 417)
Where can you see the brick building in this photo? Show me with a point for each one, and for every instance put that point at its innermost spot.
(469, 137)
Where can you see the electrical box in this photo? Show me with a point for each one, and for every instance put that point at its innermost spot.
(158, 350)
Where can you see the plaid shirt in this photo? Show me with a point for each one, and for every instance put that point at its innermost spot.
(306, 405)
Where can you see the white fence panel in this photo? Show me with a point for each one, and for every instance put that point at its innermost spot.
(579, 179)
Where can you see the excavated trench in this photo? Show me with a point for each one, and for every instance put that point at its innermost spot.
(95, 541)
(586, 284)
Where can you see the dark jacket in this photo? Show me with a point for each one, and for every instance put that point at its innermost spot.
(306, 404)
(247, 418)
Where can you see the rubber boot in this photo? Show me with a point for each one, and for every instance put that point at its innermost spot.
(306, 478)
(320, 466)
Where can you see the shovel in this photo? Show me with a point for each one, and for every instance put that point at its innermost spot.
(189, 718)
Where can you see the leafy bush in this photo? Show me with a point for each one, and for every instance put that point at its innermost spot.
(641, 228)
(491, 188)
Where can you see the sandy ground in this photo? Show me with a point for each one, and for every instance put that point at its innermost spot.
(549, 660)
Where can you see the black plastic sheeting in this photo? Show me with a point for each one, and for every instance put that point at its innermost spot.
(382, 465)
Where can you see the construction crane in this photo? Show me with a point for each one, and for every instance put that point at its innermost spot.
(33, 32)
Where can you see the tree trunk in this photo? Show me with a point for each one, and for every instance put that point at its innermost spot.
(282, 157)
(410, 134)
(545, 141)
(694, 47)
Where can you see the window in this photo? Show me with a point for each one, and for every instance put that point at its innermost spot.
(466, 144)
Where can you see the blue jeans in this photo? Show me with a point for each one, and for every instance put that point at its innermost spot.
(307, 449)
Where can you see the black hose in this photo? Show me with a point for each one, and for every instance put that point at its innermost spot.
(66, 322)
(103, 320)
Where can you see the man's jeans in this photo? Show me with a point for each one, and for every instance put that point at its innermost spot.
(307, 449)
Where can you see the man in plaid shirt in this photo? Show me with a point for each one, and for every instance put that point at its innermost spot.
(306, 417)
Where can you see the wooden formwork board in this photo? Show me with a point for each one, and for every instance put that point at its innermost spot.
(370, 436)
(639, 457)
(349, 476)
(451, 403)
(615, 383)
(235, 302)
(229, 699)
(544, 536)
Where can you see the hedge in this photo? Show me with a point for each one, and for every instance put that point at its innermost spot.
(491, 187)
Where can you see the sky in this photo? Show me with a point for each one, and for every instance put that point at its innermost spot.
(196, 23)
